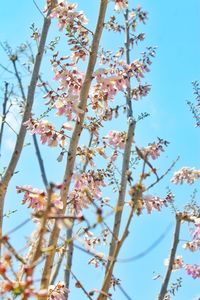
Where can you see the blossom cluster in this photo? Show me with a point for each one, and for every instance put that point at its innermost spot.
(117, 139)
(192, 270)
(87, 154)
(73, 22)
(151, 203)
(58, 291)
(194, 245)
(108, 83)
(177, 264)
(154, 150)
(87, 187)
(70, 82)
(37, 199)
(66, 14)
(91, 241)
(186, 175)
(121, 4)
(47, 132)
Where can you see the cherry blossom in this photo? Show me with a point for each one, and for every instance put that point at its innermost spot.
(193, 270)
(116, 139)
(120, 4)
(177, 264)
(155, 203)
(47, 132)
(37, 199)
(87, 187)
(58, 291)
(67, 15)
(186, 175)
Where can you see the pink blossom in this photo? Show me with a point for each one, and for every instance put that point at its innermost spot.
(87, 187)
(153, 150)
(120, 4)
(177, 264)
(192, 246)
(37, 199)
(66, 14)
(47, 132)
(155, 203)
(58, 291)
(185, 175)
(193, 270)
(117, 139)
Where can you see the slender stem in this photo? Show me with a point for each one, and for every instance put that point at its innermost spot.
(70, 233)
(18, 78)
(58, 265)
(112, 259)
(166, 280)
(3, 113)
(81, 286)
(42, 230)
(75, 139)
(125, 163)
(27, 113)
(40, 161)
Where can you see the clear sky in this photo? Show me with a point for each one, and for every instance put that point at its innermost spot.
(174, 27)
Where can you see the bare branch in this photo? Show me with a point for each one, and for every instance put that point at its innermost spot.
(164, 174)
(166, 280)
(5, 101)
(13, 251)
(40, 161)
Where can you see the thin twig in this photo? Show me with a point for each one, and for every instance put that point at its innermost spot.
(163, 175)
(166, 280)
(81, 286)
(14, 252)
(40, 161)
(15, 229)
(4, 105)
(126, 157)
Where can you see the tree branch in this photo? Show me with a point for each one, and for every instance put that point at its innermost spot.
(165, 283)
(126, 158)
(40, 161)
(75, 139)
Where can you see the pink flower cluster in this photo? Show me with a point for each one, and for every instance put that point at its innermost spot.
(37, 199)
(87, 187)
(87, 154)
(58, 291)
(108, 83)
(194, 245)
(140, 91)
(70, 82)
(73, 22)
(193, 270)
(47, 132)
(67, 15)
(153, 150)
(117, 139)
(155, 203)
(120, 4)
(186, 175)
(178, 263)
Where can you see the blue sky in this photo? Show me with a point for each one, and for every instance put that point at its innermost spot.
(173, 26)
